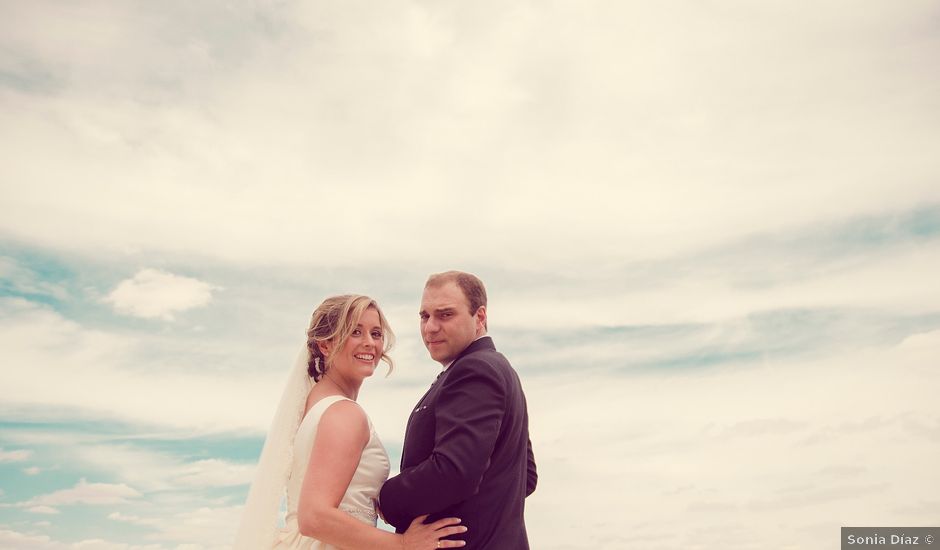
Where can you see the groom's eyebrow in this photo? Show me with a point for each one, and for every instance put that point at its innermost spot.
(437, 310)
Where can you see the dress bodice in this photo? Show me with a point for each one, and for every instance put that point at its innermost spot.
(370, 474)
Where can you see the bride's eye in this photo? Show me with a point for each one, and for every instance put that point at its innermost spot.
(377, 335)
(356, 332)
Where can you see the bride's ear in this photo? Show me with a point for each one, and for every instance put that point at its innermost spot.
(325, 348)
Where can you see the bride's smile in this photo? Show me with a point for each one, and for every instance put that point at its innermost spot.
(362, 350)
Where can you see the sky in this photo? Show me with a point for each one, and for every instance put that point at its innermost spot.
(710, 233)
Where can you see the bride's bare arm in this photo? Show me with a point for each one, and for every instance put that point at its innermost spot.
(342, 434)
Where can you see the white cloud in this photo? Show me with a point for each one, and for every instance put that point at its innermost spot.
(86, 493)
(213, 473)
(922, 348)
(210, 527)
(23, 280)
(715, 288)
(201, 528)
(23, 541)
(152, 293)
(146, 470)
(779, 454)
(100, 544)
(32, 470)
(15, 456)
(153, 471)
(129, 518)
(111, 382)
(42, 510)
(773, 120)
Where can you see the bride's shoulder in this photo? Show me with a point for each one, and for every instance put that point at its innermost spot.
(347, 417)
(334, 406)
(343, 408)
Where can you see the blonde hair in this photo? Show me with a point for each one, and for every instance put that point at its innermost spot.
(334, 321)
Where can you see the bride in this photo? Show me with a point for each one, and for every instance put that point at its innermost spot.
(323, 449)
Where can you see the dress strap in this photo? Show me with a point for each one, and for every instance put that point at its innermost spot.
(322, 405)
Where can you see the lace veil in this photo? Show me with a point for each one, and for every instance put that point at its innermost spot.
(259, 518)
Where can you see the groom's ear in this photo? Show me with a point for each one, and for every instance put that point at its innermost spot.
(480, 318)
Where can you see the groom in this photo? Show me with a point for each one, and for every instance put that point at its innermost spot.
(467, 452)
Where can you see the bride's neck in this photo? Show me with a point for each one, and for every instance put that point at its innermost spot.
(345, 388)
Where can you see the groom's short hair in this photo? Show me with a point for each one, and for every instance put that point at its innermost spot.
(470, 284)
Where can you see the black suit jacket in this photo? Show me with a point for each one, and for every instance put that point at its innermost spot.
(467, 453)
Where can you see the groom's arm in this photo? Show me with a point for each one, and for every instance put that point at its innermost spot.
(468, 413)
(532, 476)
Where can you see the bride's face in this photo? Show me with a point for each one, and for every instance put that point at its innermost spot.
(363, 348)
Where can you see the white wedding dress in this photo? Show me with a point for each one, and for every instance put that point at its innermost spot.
(363, 488)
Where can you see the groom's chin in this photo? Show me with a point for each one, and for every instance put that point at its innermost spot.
(436, 353)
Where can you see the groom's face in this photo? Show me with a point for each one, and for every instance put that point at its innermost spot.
(447, 326)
